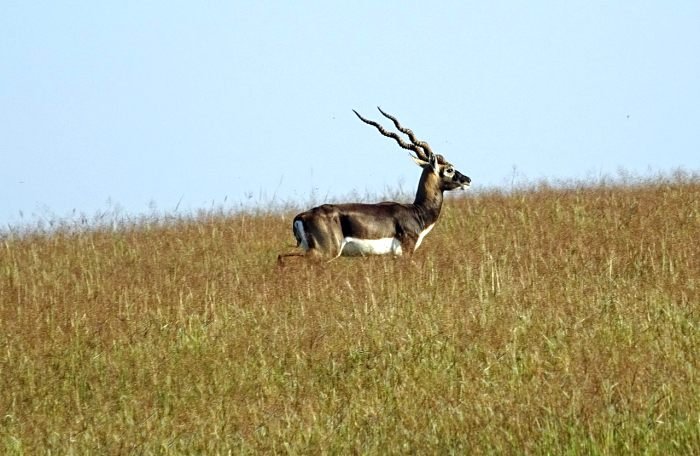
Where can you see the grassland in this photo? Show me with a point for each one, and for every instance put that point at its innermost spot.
(542, 320)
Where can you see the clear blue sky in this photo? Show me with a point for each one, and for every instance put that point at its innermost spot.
(145, 105)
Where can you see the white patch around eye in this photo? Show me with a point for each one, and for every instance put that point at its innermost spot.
(351, 246)
(299, 229)
(422, 234)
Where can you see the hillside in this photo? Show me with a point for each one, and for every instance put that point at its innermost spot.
(543, 320)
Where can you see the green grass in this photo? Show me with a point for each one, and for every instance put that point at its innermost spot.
(545, 320)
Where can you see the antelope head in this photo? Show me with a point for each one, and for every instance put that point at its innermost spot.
(448, 177)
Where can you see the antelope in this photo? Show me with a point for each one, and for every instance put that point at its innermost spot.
(334, 230)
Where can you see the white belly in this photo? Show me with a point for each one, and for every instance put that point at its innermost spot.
(353, 247)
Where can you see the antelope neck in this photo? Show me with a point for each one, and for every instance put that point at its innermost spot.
(428, 202)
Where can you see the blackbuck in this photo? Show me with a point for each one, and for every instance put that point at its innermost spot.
(332, 230)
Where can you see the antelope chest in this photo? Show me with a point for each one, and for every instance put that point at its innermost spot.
(422, 234)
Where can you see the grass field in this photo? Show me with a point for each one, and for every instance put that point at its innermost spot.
(542, 320)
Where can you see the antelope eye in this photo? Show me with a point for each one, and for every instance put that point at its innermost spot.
(449, 171)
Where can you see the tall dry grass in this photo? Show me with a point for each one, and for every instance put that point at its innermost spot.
(543, 320)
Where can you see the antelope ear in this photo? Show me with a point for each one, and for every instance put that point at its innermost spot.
(434, 163)
(420, 162)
